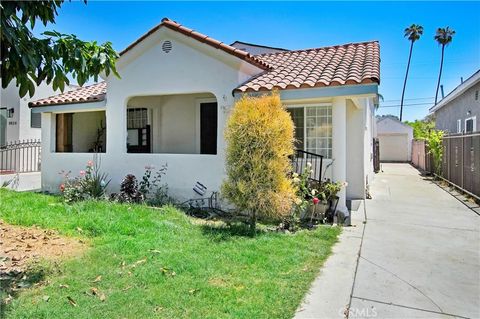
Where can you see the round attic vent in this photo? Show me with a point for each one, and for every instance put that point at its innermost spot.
(167, 46)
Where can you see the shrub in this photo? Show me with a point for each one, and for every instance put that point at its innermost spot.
(129, 192)
(151, 179)
(259, 136)
(435, 147)
(90, 184)
(147, 190)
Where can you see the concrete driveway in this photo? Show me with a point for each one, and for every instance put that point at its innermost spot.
(414, 253)
(420, 256)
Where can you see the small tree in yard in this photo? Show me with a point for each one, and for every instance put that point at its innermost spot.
(259, 136)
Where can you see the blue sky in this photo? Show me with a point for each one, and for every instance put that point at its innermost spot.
(298, 25)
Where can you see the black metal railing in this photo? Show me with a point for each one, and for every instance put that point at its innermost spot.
(301, 159)
(20, 157)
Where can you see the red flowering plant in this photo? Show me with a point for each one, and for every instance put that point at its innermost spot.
(89, 184)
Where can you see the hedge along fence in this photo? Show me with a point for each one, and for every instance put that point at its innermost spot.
(460, 163)
(260, 139)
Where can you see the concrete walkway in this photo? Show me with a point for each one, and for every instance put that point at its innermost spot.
(22, 181)
(418, 256)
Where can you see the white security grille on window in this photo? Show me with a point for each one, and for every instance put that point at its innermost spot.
(137, 118)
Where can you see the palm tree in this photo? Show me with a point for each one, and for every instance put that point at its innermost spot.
(443, 37)
(413, 33)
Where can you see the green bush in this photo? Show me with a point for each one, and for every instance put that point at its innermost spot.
(435, 147)
(259, 136)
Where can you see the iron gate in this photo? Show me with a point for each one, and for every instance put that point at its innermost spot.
(20, 157)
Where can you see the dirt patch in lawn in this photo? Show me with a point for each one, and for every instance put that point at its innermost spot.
(22, 247)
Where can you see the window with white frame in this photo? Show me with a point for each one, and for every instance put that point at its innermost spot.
(459, 126)
(470, 124)
(313, 128)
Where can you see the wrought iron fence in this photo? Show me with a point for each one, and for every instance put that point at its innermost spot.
(20, 157)
(300, 160)
(461, 161)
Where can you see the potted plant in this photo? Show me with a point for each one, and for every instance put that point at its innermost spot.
(330, 190)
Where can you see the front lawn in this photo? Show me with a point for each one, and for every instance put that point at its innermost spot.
(162, 263)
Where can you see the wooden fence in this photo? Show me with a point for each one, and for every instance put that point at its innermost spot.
(20, 157)
(461, 161)
(421, 158)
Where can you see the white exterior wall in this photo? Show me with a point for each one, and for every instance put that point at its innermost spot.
(19, 126)
(191, 67)
(355, 175)
(370, 133)
(169, 83)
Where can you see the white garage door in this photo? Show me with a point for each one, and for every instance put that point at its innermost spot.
(394, 147)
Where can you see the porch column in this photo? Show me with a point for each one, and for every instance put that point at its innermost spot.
(339, 147)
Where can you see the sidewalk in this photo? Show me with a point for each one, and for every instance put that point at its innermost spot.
(420, 256)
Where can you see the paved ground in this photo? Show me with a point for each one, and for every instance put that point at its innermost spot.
(22, 181)
(419, 257)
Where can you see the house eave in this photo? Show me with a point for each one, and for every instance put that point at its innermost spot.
(474, 79)
(71, 107)
(370, 89)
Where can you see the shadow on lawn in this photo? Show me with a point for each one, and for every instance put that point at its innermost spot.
(228, 232)
(11, 283)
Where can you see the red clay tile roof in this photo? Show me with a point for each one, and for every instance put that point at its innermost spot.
(355, 63)
(91, 93)
(202, 38)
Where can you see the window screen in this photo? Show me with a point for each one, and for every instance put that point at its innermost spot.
(469, 125)
(35, 120)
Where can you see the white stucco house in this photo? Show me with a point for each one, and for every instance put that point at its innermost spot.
(17, 121)
(176, 91)
(395, 139)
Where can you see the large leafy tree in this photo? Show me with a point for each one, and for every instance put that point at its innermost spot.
(413, 33)
(30, 60)
(444, 37)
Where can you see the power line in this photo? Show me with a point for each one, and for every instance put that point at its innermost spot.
(412, 104)
(413, 99)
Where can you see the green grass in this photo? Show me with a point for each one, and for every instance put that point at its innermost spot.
(219, 272)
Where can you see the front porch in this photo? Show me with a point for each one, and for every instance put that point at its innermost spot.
(172, 124)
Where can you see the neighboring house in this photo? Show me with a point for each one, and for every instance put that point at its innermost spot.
(256, 49)
(459, 111)
(176, 91)
(395, 139)
(17, 121)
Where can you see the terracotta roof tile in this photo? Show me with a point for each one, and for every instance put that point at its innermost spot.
(202, 38)
(354, 63)
(91, 93)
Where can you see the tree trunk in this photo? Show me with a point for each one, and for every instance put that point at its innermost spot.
(253, 224)
(439, 74)
(405, 82)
